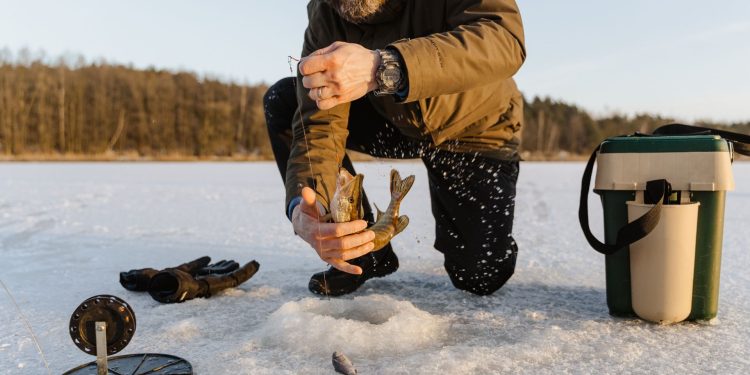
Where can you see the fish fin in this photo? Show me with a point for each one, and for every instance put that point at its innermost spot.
(403, 221)
(395, 178)
(400, 187)
(380, 213)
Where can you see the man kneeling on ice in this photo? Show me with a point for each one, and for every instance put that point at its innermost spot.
(429, 79)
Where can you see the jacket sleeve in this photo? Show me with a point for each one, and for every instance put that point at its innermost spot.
(485, 43)
(319, 137)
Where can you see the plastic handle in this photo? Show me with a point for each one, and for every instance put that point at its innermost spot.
(629, 233)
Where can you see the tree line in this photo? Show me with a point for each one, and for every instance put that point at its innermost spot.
(553, 128)
(92, 109)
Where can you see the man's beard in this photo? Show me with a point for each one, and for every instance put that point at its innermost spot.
(358, 11)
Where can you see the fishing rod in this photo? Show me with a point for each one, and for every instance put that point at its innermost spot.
(27, 325)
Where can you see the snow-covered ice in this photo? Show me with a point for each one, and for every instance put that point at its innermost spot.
(67, 229)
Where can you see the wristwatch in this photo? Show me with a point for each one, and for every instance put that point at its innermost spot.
(389, 75)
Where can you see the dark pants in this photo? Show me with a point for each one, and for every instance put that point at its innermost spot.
(472, 196)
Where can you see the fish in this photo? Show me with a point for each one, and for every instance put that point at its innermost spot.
(342, 364)
(388, 224)
(346, 205)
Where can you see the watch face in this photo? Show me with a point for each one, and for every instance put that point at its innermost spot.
(391, 76)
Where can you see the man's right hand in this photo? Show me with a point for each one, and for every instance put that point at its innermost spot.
(335, 243)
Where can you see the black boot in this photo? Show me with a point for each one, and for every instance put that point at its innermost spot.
(336, 283)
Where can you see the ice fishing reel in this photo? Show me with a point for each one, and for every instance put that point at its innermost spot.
(104, 325)
(117, 316)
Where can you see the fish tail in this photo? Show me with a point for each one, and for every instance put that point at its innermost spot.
(400, 187)
(403, 221)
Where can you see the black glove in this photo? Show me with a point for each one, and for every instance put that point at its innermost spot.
(222, 266)
(174, 285)
(138, 280)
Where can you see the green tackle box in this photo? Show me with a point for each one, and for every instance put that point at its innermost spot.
(699, 167)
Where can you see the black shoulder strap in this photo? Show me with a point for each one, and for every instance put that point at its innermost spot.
(628, 234)
(740, 141)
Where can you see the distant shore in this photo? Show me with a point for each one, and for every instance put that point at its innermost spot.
(126, 158)
(134, 158)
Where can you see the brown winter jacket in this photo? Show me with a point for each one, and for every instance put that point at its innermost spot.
(459, 55)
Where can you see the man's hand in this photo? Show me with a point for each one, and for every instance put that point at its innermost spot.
(335, 243)
(340, 73)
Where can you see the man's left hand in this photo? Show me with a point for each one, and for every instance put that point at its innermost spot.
(340, 73)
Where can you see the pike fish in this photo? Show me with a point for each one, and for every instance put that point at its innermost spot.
(342, 364)
(346, 205)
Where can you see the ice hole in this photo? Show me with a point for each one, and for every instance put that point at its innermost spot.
(369, 326)
(362, 312)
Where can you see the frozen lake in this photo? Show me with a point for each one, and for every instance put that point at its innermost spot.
(67, 229)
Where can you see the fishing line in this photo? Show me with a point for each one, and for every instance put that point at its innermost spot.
(28, 326)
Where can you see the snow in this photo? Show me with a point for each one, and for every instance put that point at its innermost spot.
(319, 327)
(67, 229)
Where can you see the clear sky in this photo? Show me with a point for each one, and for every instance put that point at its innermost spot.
(684, 58)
